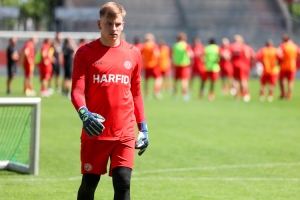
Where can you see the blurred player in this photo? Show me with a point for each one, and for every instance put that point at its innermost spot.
(12, 57)
(106, 80)
(212, 68)
(198, 67)
(226, 69)
(288, 52)
(45, 66)
(137, 43)
(268, 56)
(57, 61)
(150, 54)
(240, 62)
(82, 42)
(164, 64)
(181, 56)
(68, 52)
(27, 62)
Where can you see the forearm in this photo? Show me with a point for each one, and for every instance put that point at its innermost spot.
(77, 94)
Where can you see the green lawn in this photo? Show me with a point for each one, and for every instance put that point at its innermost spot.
(199, 149)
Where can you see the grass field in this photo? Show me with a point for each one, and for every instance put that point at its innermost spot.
(199, 149)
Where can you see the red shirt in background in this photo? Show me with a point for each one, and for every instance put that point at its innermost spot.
(198, 64)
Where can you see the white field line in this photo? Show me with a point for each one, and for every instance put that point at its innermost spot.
(215, 168)
(181, 178)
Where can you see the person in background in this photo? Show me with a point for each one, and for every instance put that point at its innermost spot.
(212, 68)
(57, 61)
(181, 58)
(45, 66)
(226, 69)
(68, 52)
(164, 63)
(288, 53)
(12, 57)
(198, 67)
(82, 42)
(137, 43)
(268, 56)
(27, 61)
(150, 54)
(240, 61)
(106, 80)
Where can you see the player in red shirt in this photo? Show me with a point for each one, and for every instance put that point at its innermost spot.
(198, 67)
(226, 67)
(288, 53)
(106, 80)
(137, 43)
(28, 65)
(241, 55)
(45, 66)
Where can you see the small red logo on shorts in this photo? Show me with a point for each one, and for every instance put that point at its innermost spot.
(88, 167)
(127, 64)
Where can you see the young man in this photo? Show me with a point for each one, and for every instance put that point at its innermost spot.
(288, 52)
(226, 69)
(27, 62)
(240, 61)
(198, 67)
(12, 58)
(45, 66)
(150, 54)
(181, 55)
(268, 57)
(212, 68)
(57, 61)
(164, 63)
(106, 80)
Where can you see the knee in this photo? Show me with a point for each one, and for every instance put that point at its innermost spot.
(121, 178)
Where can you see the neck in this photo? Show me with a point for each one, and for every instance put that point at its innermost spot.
(110, 43)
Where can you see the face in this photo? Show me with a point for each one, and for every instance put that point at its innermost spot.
(111, 30)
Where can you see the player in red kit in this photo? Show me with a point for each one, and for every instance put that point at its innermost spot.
(226, 67)
(106, 93)
(198, 66)
(240, 61)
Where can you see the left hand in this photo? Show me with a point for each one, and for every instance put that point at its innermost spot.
(142, 140)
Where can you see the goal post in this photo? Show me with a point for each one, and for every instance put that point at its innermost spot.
(20, 134)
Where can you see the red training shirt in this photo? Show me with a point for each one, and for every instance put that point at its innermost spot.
(107, 81)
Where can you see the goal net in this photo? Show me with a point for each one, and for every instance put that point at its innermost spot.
(19, 134)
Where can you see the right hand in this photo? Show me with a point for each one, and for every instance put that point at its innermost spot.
(92, 122)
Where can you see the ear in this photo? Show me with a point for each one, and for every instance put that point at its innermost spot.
(99, 24)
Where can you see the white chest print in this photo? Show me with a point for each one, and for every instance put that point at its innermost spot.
(111, 78)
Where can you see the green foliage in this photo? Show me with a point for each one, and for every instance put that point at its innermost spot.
(198, 150)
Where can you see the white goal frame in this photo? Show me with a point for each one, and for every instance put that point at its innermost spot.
(33, 167)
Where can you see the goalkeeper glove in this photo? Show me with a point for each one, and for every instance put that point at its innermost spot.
(142, 140)
(91, 122)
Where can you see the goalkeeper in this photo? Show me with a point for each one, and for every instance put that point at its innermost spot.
(106, 93)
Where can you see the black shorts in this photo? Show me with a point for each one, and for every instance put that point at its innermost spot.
(11, 70)
(68, 71)
(56, 69)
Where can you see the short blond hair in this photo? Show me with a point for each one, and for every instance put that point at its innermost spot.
(238, 38)
(149, 36)
(111, 10)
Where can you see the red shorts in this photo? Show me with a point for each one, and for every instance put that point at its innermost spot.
(267, 78)
(94, 155)
(182, 72)
(45, 72)
(28, 70)
(166, 72)
(213, 76)
(226, 72)
(199, 71)
(287, 74)
(240, 74)
(152, 72)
